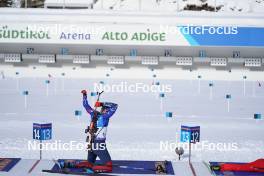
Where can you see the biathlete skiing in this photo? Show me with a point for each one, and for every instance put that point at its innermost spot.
(96, 131)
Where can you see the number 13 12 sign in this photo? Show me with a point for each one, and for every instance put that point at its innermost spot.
(190, 134)
(42, 131)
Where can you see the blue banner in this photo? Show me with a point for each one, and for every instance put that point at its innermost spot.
(223, 36)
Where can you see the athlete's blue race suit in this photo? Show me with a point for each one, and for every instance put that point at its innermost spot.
(100, 149)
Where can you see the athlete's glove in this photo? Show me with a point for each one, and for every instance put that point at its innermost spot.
(84, 92)
(98, 104)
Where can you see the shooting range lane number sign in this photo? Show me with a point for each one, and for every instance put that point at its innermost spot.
(190, 134)
(42, 131)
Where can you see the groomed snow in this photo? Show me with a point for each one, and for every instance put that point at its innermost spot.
(234, 6)
(138, 127)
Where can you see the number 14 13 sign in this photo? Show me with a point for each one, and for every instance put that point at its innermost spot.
(190, 134)
(42, 131)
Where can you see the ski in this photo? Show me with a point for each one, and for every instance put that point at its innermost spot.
(134, 168)
(215, 167)
(207, 165)
(56, 162)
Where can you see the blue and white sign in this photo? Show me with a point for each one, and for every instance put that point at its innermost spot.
(42, 131)
(257, 116)
(202, 53)
(168, 114)
(161, 95)
(93, 94)
(30, 50)
(223, 35)
(133, 52)
(190, 134)
(228, 96)
(168, 53)
(99, 52)
(65, 51)
(25, 92)
(77, 113)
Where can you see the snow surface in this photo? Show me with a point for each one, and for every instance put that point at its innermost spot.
(233, 6)
(245, 6)
(139, 125)
(167, 19)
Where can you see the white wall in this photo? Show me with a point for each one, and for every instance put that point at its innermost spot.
(131, 73)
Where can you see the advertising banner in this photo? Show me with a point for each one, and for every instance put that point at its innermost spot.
(128, 34)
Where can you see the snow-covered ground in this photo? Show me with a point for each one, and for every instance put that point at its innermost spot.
(139, 126)
(245, 6)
